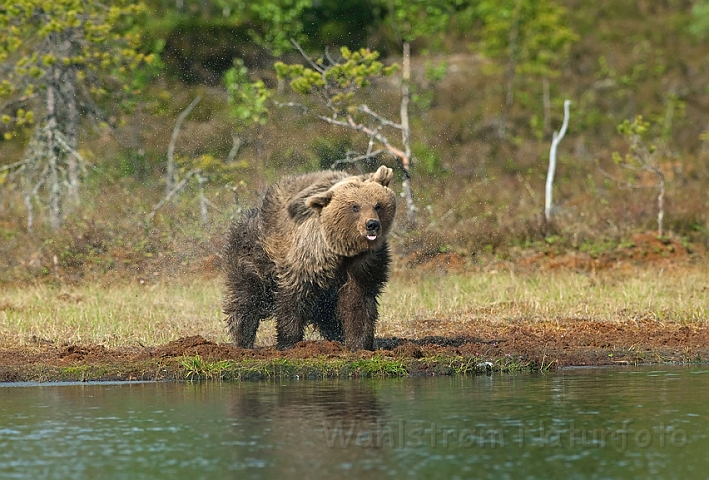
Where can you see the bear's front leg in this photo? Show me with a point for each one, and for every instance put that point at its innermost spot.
(357, 308)
(358, 298)
(293, 309)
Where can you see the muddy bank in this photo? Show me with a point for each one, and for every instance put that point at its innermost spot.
(481, 347)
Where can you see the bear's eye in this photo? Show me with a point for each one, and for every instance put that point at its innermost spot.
(377, 207)
(355, 208)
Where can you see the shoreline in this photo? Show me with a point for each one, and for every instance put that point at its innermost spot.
(503, 347)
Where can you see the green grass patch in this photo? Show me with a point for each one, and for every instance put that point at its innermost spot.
(195, 368)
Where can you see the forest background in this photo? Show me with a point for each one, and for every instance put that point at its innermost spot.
(133, 133)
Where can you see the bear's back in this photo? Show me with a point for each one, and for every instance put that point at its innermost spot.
(283, 210)
(284, 201)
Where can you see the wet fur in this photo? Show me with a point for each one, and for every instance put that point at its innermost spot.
(303, 257)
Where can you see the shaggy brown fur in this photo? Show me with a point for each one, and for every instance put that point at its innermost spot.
(314, 252)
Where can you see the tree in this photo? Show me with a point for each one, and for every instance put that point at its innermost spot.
(334, 84)
(247, 102)
(556, 139)
(409, 20)
(531, 36)
(642, 158)
(272, 23)
(700, 12)
(58, 58)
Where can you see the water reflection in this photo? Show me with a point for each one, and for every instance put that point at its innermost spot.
(354, 400)
(583, 423)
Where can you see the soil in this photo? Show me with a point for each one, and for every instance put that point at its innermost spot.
(504, 346)
(478, 346)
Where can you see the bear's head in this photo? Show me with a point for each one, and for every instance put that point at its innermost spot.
(356, 213)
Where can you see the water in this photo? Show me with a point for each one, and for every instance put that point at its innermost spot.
(574, 424)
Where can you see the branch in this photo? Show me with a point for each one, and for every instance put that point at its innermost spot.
(358, 158)
(380, 138)
(304, 108)
(235, 146)
(305, 55)
(14, 165)
(620, 181)
(379, 118)
(329, 58)
(18, 100)
(171, 194)
(206, 200)
(68, 149)
(175, 133)
(178, 124)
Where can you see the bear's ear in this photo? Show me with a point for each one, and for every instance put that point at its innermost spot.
(383, 176)
(319, 201)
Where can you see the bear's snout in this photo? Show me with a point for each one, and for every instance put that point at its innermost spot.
(373, 225)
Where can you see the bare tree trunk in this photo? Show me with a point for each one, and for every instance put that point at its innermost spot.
(67, 111)
(552, 163)
(406, 136)
(170, 170)
(70, 130)
(55, 211)
(235, 146)
(30, 212)
(660, 204)
(202, 200)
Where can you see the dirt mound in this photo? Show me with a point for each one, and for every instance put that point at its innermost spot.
(642, 249)
(565, 342)
(651, 248)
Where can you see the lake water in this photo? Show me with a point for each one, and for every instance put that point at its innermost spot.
(574, 424)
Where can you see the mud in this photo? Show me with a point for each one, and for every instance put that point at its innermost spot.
(503, 346)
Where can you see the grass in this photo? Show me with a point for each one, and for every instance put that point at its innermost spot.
(379, 366)
(652, 293)
(415, 304)
(123, 314)
(196, 368)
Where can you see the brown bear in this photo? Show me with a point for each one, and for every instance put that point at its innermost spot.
(314, 252)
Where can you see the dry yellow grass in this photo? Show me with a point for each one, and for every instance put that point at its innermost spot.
(653, 293)
(132, 314)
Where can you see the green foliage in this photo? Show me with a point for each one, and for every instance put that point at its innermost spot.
(423, 95)
(283, 19)
(247, 99)
(409, 20)
(210, 168)
(338, 22)
(196, 368)
(330, 150)
(635, 133)
(336, 80)
(87, 38)
(534, 34)
(274, 22)
(700, 12)
(643, 157)
(378, 366)
(429, 159)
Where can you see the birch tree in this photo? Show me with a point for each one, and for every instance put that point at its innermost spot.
(641, 160)
(408, 21)
(556, 139)
(58, 59)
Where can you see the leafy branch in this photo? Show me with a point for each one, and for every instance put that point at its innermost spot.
(334, 83)
(640, 158)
